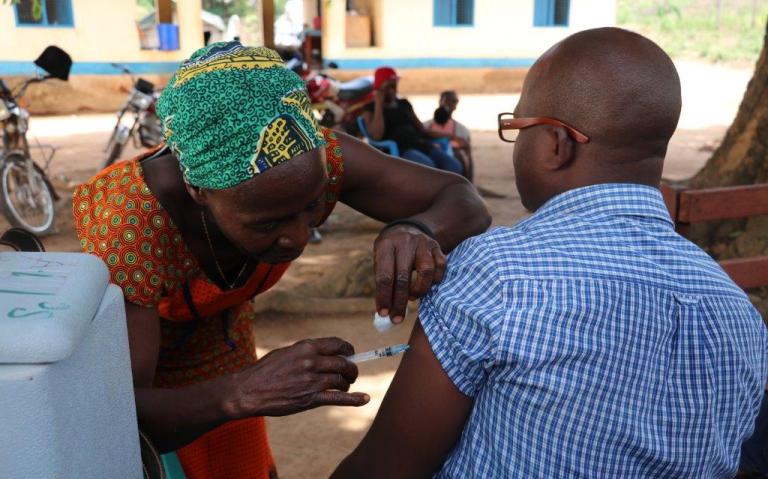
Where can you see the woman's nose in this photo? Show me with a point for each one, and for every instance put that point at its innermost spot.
(296, 234)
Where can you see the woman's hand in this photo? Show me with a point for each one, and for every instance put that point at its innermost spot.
(303, 376)
(399, 252)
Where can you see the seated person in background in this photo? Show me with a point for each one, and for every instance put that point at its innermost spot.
(391, 118)
(443, 122)
(589, 340)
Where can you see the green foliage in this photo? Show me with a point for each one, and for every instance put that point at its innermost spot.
(227, 8)
(143, 8)
(280, 7)
(692, 29)
(37, 7)
(146, 4)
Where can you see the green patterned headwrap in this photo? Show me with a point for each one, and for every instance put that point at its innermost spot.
(231, 112)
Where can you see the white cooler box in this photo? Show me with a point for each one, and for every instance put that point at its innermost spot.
(66, 394)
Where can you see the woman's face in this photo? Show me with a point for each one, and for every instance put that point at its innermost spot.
(269, 216)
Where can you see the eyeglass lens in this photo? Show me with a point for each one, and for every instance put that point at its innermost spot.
(508, 135)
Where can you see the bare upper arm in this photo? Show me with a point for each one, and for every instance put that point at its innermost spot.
(419, 422)
(373, 180)
(144, 342)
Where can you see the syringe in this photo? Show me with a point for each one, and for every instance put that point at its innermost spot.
(379, 353)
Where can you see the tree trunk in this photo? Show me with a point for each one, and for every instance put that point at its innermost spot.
(741, 159)
(717, 14)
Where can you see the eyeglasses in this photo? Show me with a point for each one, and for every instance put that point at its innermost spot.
(509, 127)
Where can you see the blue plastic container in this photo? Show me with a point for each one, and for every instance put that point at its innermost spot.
(168, 35)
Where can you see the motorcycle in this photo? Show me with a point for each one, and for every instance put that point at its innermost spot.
(143, 126)
(337, 105)
(27, 196)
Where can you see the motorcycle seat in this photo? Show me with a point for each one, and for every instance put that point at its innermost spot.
(355, 88)
(144, 86)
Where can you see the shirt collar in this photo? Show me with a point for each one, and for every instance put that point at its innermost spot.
(609, 199)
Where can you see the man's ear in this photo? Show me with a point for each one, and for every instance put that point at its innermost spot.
(200, 195)
(560, 149)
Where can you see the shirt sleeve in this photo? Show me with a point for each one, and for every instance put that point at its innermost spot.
(335, 168)
(405, 104)
(136, 268)
(462, 131)
(460, 317)
(120, 227)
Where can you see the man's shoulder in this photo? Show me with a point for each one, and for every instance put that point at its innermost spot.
(506, 243)
(487, 245)
(461, 131)
(404, 103)
(482, 258)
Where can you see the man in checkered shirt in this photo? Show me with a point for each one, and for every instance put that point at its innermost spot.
(590, 340)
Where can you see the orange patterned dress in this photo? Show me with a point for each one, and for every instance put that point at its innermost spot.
(205, 332)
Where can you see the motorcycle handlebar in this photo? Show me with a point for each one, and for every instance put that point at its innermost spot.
(122, 68)
(26, 84)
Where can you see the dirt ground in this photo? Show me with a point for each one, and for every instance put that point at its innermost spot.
(309, 445)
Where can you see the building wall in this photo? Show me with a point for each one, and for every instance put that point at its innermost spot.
(310, 11)
(103, 32)
(502, 35)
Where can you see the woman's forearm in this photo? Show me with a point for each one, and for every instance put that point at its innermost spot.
(305, 375)
(455, 215)
(174, 418)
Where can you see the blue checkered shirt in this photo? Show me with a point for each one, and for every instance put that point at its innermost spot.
(596, 342)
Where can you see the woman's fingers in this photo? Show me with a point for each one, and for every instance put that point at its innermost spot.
(326, 347)
(384, 271)
(340, 398)
(338, 365)
(424, 265)
(334, 381)
(440, 262)
(400, 253)
(402, 285)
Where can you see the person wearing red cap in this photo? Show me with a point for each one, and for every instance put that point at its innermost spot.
(383, 75)
(389, 117)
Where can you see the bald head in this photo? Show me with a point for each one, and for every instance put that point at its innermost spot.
(615, 86)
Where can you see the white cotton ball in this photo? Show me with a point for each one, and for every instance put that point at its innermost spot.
(383, 323)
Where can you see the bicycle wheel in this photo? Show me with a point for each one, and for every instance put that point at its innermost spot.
(27, 200)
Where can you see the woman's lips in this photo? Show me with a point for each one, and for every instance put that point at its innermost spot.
(282, 256)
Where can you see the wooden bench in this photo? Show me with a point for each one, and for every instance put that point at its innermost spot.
(688, 206)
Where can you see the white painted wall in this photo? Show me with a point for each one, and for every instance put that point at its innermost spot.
(502, 29)
(104, 31)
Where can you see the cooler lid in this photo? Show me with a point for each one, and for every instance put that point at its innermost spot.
(47, 302)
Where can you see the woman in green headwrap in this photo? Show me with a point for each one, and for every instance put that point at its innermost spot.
(193, 230)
